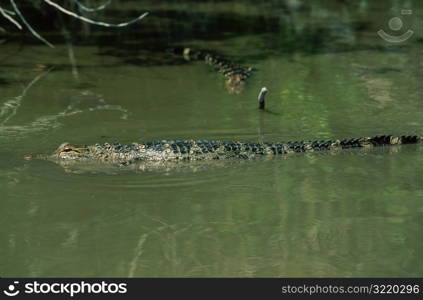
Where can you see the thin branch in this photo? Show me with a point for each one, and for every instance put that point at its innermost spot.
(36, 79)
(10, 107)
(9, 12)
(138, 252)
(71, 53)
(5, 13)
(48, 122)
(89, 9)
(65, 11)
(18, 12)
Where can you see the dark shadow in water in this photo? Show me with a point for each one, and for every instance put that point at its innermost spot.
(144, 44)
(379, 70)
(4, 81)
(270, 112)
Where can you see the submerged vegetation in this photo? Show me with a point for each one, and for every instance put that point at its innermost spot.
(329, 75)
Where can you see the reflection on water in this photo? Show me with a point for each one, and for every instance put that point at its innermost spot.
(80, 102)
(354, 213)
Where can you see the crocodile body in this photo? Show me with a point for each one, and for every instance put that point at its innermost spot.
(195, 150)
(236, 74)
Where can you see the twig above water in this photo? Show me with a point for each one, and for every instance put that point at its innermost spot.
(16, 11)
(89, 9)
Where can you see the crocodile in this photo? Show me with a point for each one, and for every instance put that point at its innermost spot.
(196, 150)
(236, 74)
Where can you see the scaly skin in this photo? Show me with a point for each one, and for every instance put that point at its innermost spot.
(161, 151)
(236, 75)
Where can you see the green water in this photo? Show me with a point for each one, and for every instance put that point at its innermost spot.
(329, 75)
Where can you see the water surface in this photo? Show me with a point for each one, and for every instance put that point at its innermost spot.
(349, 214)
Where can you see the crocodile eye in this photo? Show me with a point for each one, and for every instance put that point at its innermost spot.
(69, 150)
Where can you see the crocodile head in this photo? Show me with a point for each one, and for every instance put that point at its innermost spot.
(68, 151)
(65, 152)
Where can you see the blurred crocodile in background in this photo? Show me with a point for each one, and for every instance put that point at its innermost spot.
(197, 150)
(236, 74)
